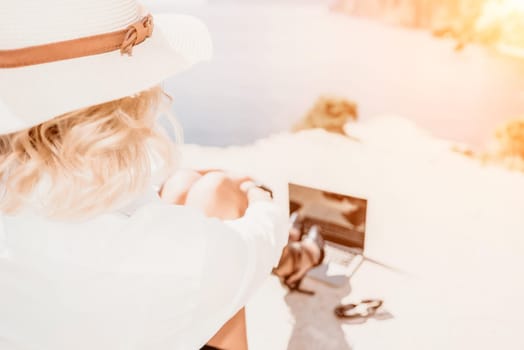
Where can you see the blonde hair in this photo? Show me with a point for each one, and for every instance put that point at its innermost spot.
(89, 161)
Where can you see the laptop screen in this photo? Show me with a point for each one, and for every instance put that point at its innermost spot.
(341, 218)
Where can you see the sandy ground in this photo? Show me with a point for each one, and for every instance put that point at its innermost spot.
(306, 322)
(453, 226)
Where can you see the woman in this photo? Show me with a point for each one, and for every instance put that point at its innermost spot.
(90, 256)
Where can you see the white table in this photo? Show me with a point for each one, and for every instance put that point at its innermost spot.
(453, 226)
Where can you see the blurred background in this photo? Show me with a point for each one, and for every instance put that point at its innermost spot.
(446, 65)
(455, 69)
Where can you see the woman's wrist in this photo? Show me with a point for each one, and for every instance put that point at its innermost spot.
(256, 192)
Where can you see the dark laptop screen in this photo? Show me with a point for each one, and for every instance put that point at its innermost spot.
(341, 218)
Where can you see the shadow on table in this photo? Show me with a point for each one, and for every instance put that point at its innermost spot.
(316, 326)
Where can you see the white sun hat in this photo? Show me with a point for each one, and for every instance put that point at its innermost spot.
(54, 56)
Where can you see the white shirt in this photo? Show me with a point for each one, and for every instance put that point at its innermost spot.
(165, 277)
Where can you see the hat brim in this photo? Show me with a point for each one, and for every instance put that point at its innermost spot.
(33, 94)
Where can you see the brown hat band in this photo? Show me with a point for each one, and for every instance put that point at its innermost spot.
(123, 40)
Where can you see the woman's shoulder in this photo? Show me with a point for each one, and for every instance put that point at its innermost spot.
(156, 236)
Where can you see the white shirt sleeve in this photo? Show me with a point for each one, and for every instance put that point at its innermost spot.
(234, 259)
(239, 258)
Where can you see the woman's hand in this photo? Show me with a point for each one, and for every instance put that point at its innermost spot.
(176, 188)
(219, 195)
(214, 192)
(255, 193)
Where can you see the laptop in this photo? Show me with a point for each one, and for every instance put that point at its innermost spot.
(342, 222)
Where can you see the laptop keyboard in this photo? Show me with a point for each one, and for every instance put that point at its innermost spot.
(337, 255)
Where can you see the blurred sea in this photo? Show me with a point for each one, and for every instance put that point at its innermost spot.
(273, 58)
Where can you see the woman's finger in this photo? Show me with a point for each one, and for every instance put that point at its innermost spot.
(239, 180)
(207, 171)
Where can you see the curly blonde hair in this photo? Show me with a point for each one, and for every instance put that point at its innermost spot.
(89, 161)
